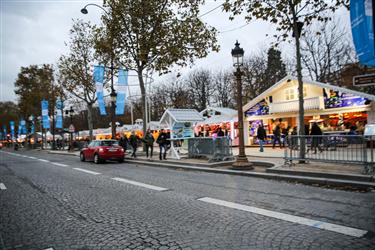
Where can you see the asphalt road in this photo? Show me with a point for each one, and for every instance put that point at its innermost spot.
(50, 201)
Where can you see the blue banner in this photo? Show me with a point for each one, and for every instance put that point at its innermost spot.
(59, 117)
(45, 117)
(361, 16)
(23, 126)
(19, 130)
(32, 130)
(12, 129)
(121, 91)
(4, 132)
(98, 79)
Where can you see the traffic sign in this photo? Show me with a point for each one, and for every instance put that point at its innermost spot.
(71, 128)
(364, 80)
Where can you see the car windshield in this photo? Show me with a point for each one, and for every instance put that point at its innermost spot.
(109, 143)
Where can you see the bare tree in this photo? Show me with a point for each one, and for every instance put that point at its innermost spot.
(326, 49)
(200, 87)
(75, 75)
(254, 76)
(223, 95)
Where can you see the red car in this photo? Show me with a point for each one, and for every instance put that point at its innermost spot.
(100, 151)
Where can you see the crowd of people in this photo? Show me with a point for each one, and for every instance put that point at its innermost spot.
(134, 141)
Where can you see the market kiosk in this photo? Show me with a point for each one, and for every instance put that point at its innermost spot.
(334, 108)
(180, 123)
(215, 118)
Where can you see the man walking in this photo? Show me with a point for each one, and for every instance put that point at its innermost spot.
(163, 143)
(133, 140)
(276, 136)
(261, 135)
(148, 140)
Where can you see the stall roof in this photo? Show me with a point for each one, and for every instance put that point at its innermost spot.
(293, 78)
(217, 120)
(181, 115)
(223, 111)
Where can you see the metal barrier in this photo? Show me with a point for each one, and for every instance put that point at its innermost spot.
(332, 148)
(215, 149)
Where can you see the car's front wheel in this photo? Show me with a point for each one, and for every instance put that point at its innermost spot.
(82, 157)
(96, 159)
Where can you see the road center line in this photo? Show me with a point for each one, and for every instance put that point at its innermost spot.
(87, 171)
(59, 164)
(2, 186)
(287, 217)
(43, 160)
(140, 184)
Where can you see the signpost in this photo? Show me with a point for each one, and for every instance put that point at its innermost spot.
(364, 80)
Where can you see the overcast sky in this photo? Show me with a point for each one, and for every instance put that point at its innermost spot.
(34, 32)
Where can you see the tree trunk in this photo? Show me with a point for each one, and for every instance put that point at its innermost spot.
(300, 92)
(143, 99)
(89, 120)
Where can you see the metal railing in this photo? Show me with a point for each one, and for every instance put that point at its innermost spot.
(355, 149)
(215, 149)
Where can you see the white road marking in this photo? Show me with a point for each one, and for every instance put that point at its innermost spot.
(2, 186)
(50, 248)
(87, 171)
(140, 184)
(43, 160)
(59, 164)
(32, 157)
(287, 217)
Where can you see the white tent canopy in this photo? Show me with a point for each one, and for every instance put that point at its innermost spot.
(180, 123)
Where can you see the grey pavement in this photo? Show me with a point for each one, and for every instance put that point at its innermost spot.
(51, 204)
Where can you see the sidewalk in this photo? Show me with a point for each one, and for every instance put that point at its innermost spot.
(268, 164)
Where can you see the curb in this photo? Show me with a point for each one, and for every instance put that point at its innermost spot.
(272, 176)
(63, 153)
(340, 176)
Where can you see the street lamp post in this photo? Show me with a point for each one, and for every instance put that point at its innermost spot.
(241, 160)
(71, 112)
(113, 93)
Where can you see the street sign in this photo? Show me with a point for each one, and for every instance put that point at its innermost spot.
(364, 80)
(71, 128)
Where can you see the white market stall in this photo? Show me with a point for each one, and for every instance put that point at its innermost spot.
(180, 123)
(219, 116)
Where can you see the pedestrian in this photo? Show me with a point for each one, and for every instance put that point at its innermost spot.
(148, 140)
(276, 136)
(133, 140)
(220, 132)
(162, 141)
(294, 139)
(315, 133)
(261, 135)
(123, 142)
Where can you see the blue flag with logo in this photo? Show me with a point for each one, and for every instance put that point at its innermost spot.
(45, 117)
(4, 132)
(59, 117)
(98, 79)
(361, 16)
(121, 91)
(12, 129)
(19, 130)
(23, 127)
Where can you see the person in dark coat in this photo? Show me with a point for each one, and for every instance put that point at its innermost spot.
(163, 143)
(316, 133)
(261, 135)
(220, 132)
(133, 140)
(148, 140)
(276, 136)
(124, 142)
